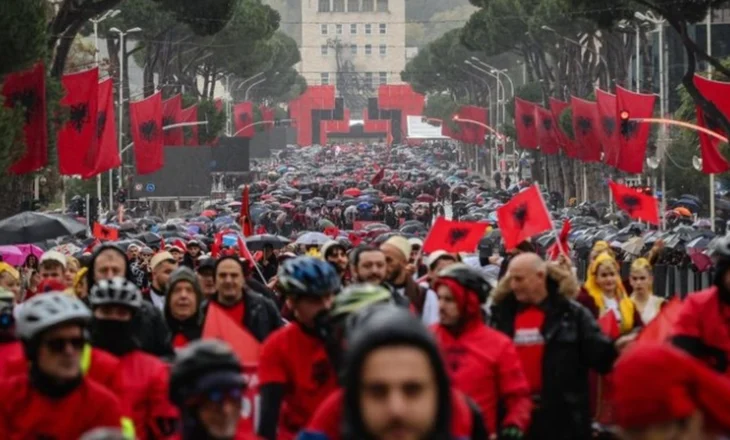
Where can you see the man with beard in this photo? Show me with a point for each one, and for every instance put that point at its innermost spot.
(334, 253)
(162, 265)
(367, 265)
(114, 302)
(397, 252)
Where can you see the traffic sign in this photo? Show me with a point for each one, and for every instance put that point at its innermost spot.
(138, 187)
(150, 187)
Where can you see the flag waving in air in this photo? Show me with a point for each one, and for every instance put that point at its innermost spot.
(523, 217)
(105, 232)
(639, 206)
(454, 236)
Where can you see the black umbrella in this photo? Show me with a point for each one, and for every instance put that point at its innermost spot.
(32, 227)
(257, 242)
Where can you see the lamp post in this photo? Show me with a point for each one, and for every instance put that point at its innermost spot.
(108, 14)
(121, 108)
(490, 115)
(245, 95)
(579, 44)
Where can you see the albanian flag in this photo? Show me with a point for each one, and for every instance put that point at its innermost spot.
(633, 136)
(718, 93)
(378, 177)
(190, 134)
(105, 232)
(78, 135)
(267, 114)
(557, 107)
(585, 129)
(171, 115)
(453, 236)
(609, 132)
(638, 205)
(246, 223)
(562, 245)
(523, 217)
(547, 131)
(146, 116)
(28, 89)
(243, 118)
(525, 124)
(105, 155)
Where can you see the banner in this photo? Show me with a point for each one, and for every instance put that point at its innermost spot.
(171, 115)
(525, 124)
(146, 126)
(105, 155)
(634, 136)
(585, 129)
(557, 107)
(718, 93)
(547, 131)
(609, 131)
(190, 134)
(243, 118)
(78, 135)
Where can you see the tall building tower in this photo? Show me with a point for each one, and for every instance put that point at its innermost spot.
(355, 45)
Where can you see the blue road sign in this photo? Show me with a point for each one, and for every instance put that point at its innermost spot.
(150, 187)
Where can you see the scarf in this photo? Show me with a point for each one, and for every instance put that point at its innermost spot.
(625, 305)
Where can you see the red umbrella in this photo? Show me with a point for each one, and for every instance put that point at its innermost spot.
(209, 213)
(428, 198)
(354, 192)
(390, 199)
(288, 206)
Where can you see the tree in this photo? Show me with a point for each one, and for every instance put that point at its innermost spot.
(283, 82)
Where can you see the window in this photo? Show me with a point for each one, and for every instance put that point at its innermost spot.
(323, 29)
(353, 49)
(367, 6)
(338, 6)
(368, 29)
(383, 50)
(324, 78)
(338, 29)
(368, 49)
(369, 79)
(383, 28)
(324, 49)
(353, 28)
(382, 5)
(324, 5)
(353, 5)
(383, 78)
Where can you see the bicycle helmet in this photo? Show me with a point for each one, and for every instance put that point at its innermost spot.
(42, 312)
(116, 291)
(307, 276)
(468, 277)
(199, 359)
(357, 297)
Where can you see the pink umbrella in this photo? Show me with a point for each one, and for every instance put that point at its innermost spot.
(12, 255)
(29, 249)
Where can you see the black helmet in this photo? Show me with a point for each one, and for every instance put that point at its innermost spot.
(468, 277)
(197, 360)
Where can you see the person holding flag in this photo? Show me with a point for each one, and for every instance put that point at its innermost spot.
(294, 371)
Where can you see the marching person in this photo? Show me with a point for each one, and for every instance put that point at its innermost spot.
(335, 253)
(397, 252)
(184, 313)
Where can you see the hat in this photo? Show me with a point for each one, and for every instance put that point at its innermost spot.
(161, 257)
(193, 243)
(133, 246)
(206, 262)
(53, 256)
(184, 273)
(174, 247)
(6, 268)
(435, 256)
(415, 241)
(146, 251)
(329, 245)
(401, 243)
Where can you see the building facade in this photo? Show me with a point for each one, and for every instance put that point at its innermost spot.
(355, 45)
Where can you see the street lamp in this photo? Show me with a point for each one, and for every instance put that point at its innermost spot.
(497, 71)
(121, 104)
(577, 43)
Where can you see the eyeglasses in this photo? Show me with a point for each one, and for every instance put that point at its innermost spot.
(59, 345)
(218, 396)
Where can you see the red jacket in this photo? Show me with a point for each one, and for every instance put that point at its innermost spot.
(242, 433)
(9, 352)
(484, 365)
(145, 391)
(703, 329)
(327, 419)
(27, 414)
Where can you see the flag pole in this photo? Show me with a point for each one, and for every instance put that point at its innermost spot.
(562, 250)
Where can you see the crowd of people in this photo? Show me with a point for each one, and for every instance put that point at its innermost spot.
(375, 340)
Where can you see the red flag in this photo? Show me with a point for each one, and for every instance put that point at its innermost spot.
(218, 325)
(267, 114)
(215, 249)
(105, 155)
(377, 178)
(609, 132)
(453, 236)
(355, 239)
(609, 325)
(243, 118)
(635, 136)
(718, 93)
(562, 245)
(28, 89)
(469, 132)
(557, 107)
(332, 231)
(190, 135)
(547, 131)
(246, 223)
(638, 205)
(525, 124)
(243, 251)
(146, 125)
(105, 232)
(172, 114)
(78, 134)
(522, 217)
(585, 129)
(90, 248)
(659, 330)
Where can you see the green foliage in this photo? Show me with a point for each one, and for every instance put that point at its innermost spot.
(206, 112)
(610, 13)
(203, 17)
(420, 33)
(529, 92)
(283, 82)
(443, 107)
(22, 34)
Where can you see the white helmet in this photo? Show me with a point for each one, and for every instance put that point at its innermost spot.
(118, 291)
(48, 310)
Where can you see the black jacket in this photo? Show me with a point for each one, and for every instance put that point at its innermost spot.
(152, 332)
(574, 344)
(260, 317)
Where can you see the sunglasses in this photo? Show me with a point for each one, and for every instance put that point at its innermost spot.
(59, 345)
(218, 396)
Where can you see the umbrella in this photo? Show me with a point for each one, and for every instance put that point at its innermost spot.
(257, 242)
(428, 198)
(208, 213)
(31, 227)
(313, 239)
(12, 255)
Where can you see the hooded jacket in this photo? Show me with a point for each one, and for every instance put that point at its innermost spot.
(574, 344)
(152, 332)
(192, 328)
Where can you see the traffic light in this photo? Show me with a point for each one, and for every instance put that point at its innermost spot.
(625, 123)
